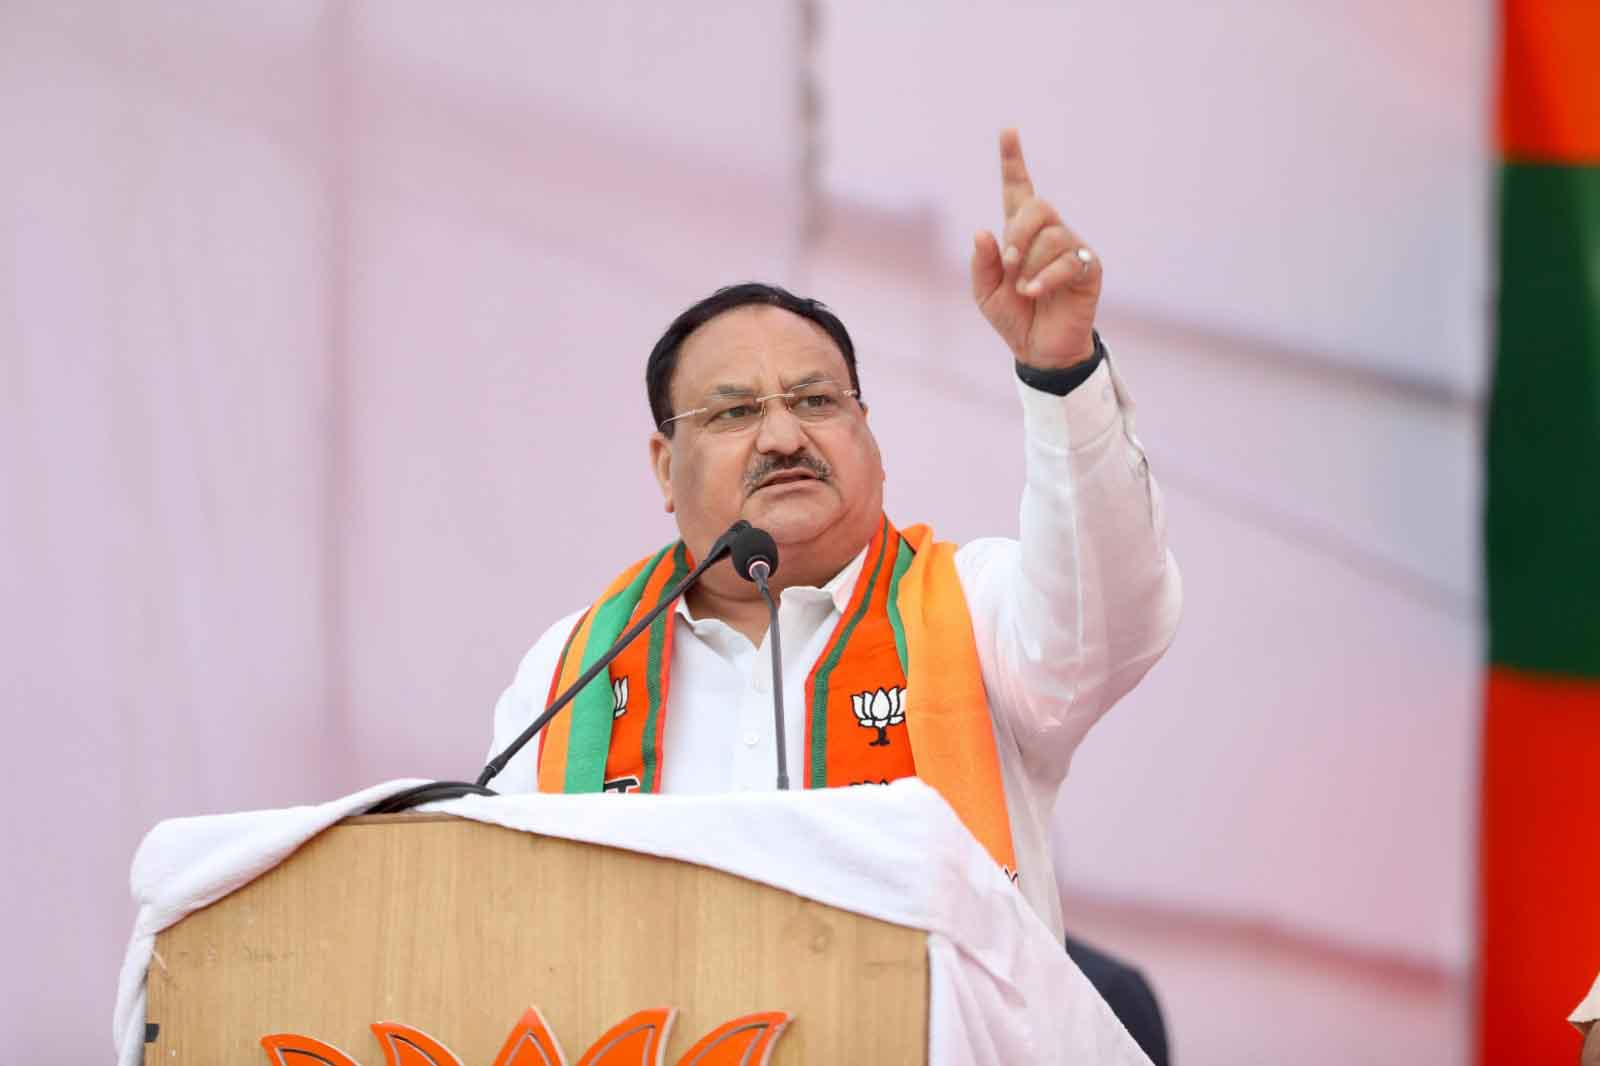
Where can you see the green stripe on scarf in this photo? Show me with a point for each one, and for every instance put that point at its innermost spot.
(591, 711)
(902, 562)
(658, 637)
(819, 694)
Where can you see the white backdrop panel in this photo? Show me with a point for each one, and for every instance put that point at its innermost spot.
(519, 240)
(1315, 175)
(1304, 758)
(162, 491)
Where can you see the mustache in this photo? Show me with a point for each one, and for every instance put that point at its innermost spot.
(777, 464)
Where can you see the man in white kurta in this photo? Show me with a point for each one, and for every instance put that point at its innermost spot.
(1066, 619)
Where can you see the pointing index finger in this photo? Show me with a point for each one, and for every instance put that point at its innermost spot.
(1015, 186)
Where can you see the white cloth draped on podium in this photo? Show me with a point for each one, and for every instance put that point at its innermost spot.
(1002, 988)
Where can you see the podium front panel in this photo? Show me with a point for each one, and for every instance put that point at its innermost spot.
(456, 927)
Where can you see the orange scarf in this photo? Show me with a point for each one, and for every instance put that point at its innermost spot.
(897, 691)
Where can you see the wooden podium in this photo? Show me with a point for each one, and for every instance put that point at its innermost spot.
(457, 927)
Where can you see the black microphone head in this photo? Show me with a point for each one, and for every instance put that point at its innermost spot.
(750, 545)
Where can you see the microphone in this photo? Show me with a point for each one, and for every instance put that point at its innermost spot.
(755, 555)
(442, 790)
(755, 558)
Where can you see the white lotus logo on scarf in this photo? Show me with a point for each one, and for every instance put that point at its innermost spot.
(879, 710)
(619, 697)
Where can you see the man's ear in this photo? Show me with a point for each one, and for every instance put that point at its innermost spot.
(661, 465)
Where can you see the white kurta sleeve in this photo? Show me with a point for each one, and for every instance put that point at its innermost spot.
(1070, 617)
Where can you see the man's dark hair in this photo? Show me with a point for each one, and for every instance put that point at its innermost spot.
(663, 361)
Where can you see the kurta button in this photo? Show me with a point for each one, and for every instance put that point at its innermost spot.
(751, 740)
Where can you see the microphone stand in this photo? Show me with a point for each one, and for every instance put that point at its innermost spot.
(759, 570)
(444, 790)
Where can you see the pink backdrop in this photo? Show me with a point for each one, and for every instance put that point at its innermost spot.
(321, 394)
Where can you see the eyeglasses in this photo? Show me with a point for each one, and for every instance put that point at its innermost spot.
(814, 402)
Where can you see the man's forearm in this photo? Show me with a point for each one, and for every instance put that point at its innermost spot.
(1091, 597)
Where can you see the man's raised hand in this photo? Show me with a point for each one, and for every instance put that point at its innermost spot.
(1041, 291)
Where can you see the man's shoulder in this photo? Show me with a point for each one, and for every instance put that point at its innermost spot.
(976, 556)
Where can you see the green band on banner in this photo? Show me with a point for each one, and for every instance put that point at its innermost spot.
(1542, 525)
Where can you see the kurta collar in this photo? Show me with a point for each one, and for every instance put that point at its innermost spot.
(839, 589)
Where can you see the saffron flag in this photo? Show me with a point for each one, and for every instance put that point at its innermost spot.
(1539, 855)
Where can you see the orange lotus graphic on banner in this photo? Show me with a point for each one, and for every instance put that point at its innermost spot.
(638, 1040)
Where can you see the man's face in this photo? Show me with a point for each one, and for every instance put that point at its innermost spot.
(816, 486)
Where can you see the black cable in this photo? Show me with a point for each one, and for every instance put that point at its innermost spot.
(433, 792)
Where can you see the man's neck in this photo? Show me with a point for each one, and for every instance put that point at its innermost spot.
(743, 609)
